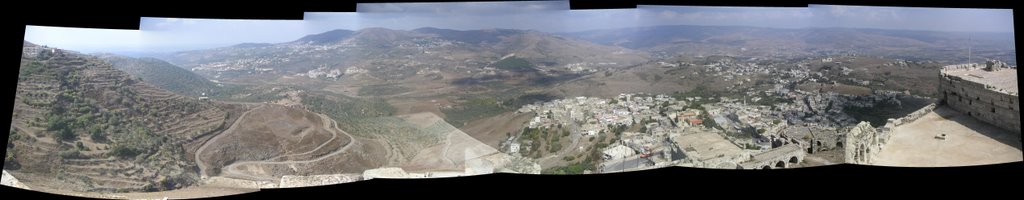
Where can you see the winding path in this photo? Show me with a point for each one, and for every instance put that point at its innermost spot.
(329, 124)
(202, 166)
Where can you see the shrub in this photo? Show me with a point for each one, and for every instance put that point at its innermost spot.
(64, 134)
(96, 134)
(122, 151)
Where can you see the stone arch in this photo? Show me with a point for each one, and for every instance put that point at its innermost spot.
(766, 167)
(794, 160)
(839, 144)
(780, 164)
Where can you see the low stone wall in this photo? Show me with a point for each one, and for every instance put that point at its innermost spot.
(289, 181)
(9, 180)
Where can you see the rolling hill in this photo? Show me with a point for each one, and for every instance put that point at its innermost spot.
(163, 75)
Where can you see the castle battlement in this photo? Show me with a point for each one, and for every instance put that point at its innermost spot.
(987, 92)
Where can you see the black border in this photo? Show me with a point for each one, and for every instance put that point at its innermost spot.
(838, 181)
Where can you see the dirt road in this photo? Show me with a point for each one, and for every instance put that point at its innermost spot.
(329, 124)
(199, 162)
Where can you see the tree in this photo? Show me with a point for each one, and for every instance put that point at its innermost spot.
(64, 134)
(122, 151)
(55, 122)
(96, 133)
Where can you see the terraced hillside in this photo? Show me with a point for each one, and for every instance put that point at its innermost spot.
(81, 125)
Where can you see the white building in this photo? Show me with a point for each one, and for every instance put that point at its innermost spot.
(618, 152)
(513, 148)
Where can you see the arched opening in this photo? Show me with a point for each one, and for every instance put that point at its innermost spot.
(810, 150)
(818, 144)
(860, 152)
(839, 144)
(780, 164)
(766, 167)
(794, 160)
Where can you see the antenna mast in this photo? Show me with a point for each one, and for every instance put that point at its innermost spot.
(969, 48)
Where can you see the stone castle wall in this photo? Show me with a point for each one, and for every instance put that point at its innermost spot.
(983, 102)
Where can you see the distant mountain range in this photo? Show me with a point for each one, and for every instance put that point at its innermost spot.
(392, 54)
(753, 41)
(326, 37)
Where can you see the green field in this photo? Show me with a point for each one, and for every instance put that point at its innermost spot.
(382, 90)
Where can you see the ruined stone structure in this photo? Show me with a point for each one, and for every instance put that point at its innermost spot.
(813, 138)
(861, 142)
(987, 93)
(782, 157)
(864, 141)
(707, 149)
(825, 140)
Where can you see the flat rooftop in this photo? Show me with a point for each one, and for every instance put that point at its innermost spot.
(707, 144)
(1005, 79)
(968, 142)
(775, 153)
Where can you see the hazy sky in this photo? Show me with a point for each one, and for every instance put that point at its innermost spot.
(474, 7)
(539, 15)
(175, 34)
(86, 40)
(904, 18)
